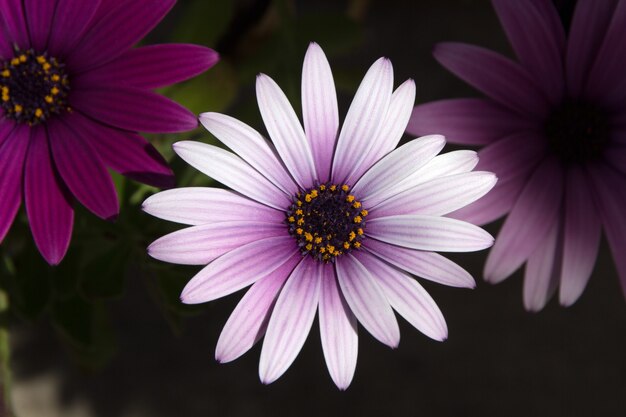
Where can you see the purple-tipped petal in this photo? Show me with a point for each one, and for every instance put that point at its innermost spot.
(439, 196)
(429, 233)
(199, 245)
(498, 77)
(540, 277)
(14, 17)
(407, 297)
(238, 268)
(248, 321)
(151, 67)
(232, 171)
(367, 300)
(541, 49)
(291, 320)
(251, 147)
(427, 265)
(39, 15)
(588, 28)
(581, 236)
(319, 109)
(133, 109)
(338, 331)
(82, 169)
(47, 202)
(392, 129)
(396, 167)
(117, 31)
(201, 205)
(364, 119)
(285, 131)
(466, 121)
(12, 154)
(71, 19)
(528, 223)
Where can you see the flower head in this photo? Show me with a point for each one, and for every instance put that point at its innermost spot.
(72, 97)
(320, 222)
(554, 130)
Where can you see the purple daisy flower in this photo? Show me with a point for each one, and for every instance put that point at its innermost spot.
(72, 97)
(554, 130)
(321, 221)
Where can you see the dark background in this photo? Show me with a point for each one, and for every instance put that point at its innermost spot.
(498, 361)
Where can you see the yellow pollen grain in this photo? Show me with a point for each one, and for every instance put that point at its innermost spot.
(46, 67)
(48, 99)
(359, 231)
(350, 198)
(55, 78)
(352, 236)
(299, 231)
(322, 250)
(356, 204)
(357, 244)
(291, 219)
(364, 212)
(346, 245)
(298, 212)
(358, 219)
(18, 108)
(322, 187)
(345, 188)
(307, 198)
(6, 73)
(15, 61)
(333, 187)
(54, 91)
(309, 247)
(38, 113)
(299, 203)
(330, 248)
(5, 97)
(300, 221)
(314, 193)
(41, 59)
(23, 58)
(308, 237)
(318, 240)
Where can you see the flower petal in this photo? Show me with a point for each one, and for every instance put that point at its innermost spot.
(407, 297)
(338, 331)
(81, 168)
(285, 131)
(117, 31)
(71, 19)
(396, 167)
(248, 321)
(540, 278)
(498, 77)
(15, 23)
(251, 147)
(466, 121)
(291, 320)
(12, 154)
(439, 196)
(133, 109)
(581, 237)
(48, 205)
(528, 223)
(427, 265)
(39, 15)
(319, 109)
(238, 269)
(199, 245)
(201, 205)
(429, 233)
(232, 171)
(367, 300)
(364, 119)
(151, 67)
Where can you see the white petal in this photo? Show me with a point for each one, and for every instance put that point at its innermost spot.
(285, 131)
(367, 301)
(429, 233)
(291, 320)
(201, 205)
(364, 119)
(319, 109)
(251, 147)
(232, 171)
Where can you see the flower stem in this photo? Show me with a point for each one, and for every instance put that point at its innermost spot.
(6, 407)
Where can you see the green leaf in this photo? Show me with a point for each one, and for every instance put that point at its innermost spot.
(104, 275)
(202, 21)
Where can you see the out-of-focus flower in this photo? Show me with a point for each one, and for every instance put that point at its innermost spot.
(322, 223)
(554, 130)
(72, 97)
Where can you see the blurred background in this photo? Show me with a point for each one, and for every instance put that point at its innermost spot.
(104, 335)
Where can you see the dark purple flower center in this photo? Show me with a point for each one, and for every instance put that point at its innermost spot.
(33, 87)
(578, 131)
(326, 221)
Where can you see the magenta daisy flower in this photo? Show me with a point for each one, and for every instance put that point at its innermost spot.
(322, 222)
(72, 97)
(554, 130)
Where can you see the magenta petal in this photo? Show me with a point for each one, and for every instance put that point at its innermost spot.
(498, 77)
(134, 109)
(12, 13)
(248, 321)
(466, 121)
(117, 31)
(541, 49)
(151, 67)
(12, 154)
(82, 169)
(125, 152)
(540, 277)
(39, 15)
(528, 223)
(71, 19)
(48, 204)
